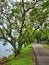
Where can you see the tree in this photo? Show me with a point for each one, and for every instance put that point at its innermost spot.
(14, 19)
(39, 17)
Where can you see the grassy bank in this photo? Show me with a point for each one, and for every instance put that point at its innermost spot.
(45, 45)
(25, 58)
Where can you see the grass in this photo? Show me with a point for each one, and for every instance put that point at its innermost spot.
(25, 58)
(45, 45)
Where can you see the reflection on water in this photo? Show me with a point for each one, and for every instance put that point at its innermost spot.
(5, 51)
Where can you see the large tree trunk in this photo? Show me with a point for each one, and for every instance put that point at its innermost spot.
(16, 50)
(19, 47)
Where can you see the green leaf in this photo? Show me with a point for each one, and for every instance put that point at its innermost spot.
(2, 0)
(45, 4)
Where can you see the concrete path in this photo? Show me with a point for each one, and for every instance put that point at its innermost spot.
(41, 55)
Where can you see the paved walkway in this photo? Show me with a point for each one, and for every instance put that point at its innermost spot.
(42, 55)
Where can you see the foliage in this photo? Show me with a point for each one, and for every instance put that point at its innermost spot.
(20, 19)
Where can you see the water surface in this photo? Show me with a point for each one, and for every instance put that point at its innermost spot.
(5, 51)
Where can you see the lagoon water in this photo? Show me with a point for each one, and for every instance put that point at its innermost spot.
(6, 50)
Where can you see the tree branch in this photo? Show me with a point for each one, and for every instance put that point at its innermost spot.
(32, 6)
(9, 34)
(23, 16)
(4, 36)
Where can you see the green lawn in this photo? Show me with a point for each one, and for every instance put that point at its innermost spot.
(25, 58)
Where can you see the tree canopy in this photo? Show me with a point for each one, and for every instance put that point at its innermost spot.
(19, 21)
